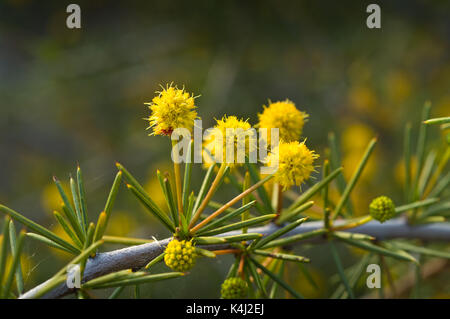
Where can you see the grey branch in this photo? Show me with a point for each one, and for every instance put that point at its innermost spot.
(136, 257)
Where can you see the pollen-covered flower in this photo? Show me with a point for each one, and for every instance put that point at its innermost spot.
(382, 208)
(234, 288)
(172, 108)
(230, 141)
(180, 255)
(295, 163)
(284, 116)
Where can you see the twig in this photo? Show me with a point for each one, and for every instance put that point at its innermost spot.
(136, 257)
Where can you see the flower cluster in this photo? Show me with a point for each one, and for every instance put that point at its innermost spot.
(382, 208)
(234, 288)
(295, 163)
(284, 116)
(172, 108)
(180, 255)
(237, 133)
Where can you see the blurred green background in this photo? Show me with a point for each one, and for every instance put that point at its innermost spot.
(76, 96)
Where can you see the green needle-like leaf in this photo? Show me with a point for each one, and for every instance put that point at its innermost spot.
(314, 189)
(112, 196)
(345, 196)
(340, 269)
(407, 160)
(170, 200)
(295, 238)
(14, 252)
(82, 194)
(87, 243)
(290, 215)
(426, 173)
(119, 275)
(238, 225)
(100, 227)
(116, 292)
(68, 230)
(68, 210)
(14, 265)
(254, 175)
(232, 272)
(442, 209)
(257, 279)
(414, 205)
(308, 276)
(39, 229)
(438, 120)
(441, 186)
(49, 285)
(145, 200)
(335, 162)
(422, 250)
(395, 253)
(140, 280)
(355, 236)
(227, 239)
(77, 204)
(156, 260)
(3, 251)
(84, 255)
(227, 216)
(125, 240)
(282, 256)
(279, 233)
(138, 187)
(204, 188)
(51, 243)
(60, 276)
(205, 253)
(277, 279)
(187, 175)
(190, 206)
(420, 150)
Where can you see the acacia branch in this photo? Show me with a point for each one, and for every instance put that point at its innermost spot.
(138, 256)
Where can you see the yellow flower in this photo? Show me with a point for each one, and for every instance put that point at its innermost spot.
(180, 255)
(172, 108)
(233, 132)
(295, 163)
(284, 116)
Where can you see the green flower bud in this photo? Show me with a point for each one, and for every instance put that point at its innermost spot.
(180, 255)
(234, 288)
(382, 208)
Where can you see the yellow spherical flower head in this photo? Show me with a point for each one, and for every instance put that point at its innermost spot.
(284, 116)
(238, 141)
(234, 288)
(295, 163)
(180, 255)
(172, 108)
(382, 208)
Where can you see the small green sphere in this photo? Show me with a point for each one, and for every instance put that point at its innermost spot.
(382, 208)
(180, 255)
(234, 288)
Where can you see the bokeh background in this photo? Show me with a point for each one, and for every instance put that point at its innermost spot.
(76, 96)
